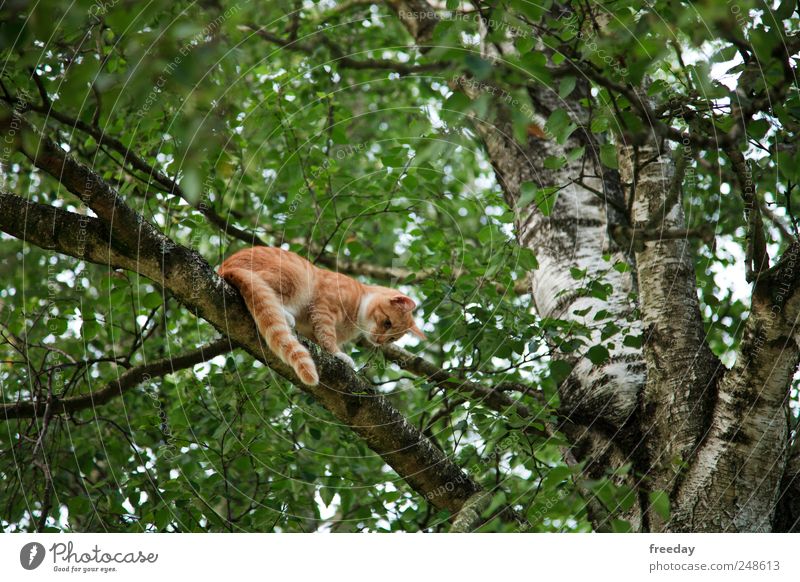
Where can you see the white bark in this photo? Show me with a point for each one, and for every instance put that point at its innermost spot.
(598, 398)
(714, 441)
(734, 480)
(679, 391)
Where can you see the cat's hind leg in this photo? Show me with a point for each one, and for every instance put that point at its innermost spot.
(272, 322)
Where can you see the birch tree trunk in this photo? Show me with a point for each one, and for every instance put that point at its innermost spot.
(713, 440)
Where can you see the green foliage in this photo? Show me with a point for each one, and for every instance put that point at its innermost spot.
(371, 166)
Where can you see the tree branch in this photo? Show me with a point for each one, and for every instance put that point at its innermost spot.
(340, 58)
(86, 185)
(80, 180)
(745, 449)
(681, 369)
(407, 276)
(139, 163)
(756, 256)
(118, 387)
(418, 16)
(494, 399)
(189, 278)
(470, 516)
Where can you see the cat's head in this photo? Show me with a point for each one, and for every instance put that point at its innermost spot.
(389, 317)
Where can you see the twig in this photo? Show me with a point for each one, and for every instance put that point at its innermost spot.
(118, 387)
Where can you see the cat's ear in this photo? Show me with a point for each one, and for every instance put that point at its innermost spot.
(403, 304)
(417, 332)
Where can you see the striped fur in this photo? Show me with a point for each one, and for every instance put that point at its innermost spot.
(283, 290)
(267, 311)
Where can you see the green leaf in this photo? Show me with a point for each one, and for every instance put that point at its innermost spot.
(785, 9)
(535, 63)
(554, 162)
(327, 494)
(620, 526)
(57, 325)
(657, 87)
(527, 194)
(545, 199)
(659, 501)
(576, 154)
(632, 341)
(608, 155)
(527, 260)
(598, 354)
(577, 273)
(525, 44)
(566, 86)
(560, 125)
(556, 475)
(191, 184)
(533, 10)
(599, 124)
(479, 67)
(151, 300)
(560, 370)
(89, 329)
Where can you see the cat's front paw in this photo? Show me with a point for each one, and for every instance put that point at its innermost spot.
(290, 320)
(346, 359)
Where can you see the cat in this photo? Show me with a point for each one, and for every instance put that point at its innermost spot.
(282, 290)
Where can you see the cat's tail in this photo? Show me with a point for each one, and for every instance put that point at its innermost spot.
(267, 311)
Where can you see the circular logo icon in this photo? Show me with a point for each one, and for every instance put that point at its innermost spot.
(31, 555)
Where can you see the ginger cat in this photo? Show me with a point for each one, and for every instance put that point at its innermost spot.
(282, 290)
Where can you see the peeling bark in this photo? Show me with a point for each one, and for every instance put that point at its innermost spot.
(733, 483)
(681, 370)
(714, 440)
(599, 397)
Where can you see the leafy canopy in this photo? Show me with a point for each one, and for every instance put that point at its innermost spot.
(329, 133)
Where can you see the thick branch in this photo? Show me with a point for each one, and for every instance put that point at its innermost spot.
(83, 237)
(745, 450)
(189, 278)
(469, 518)
(681, 369)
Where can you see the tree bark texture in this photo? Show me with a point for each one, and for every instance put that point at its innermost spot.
(714, 440)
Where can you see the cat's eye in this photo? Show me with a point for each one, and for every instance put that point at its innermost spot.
(387, 324)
